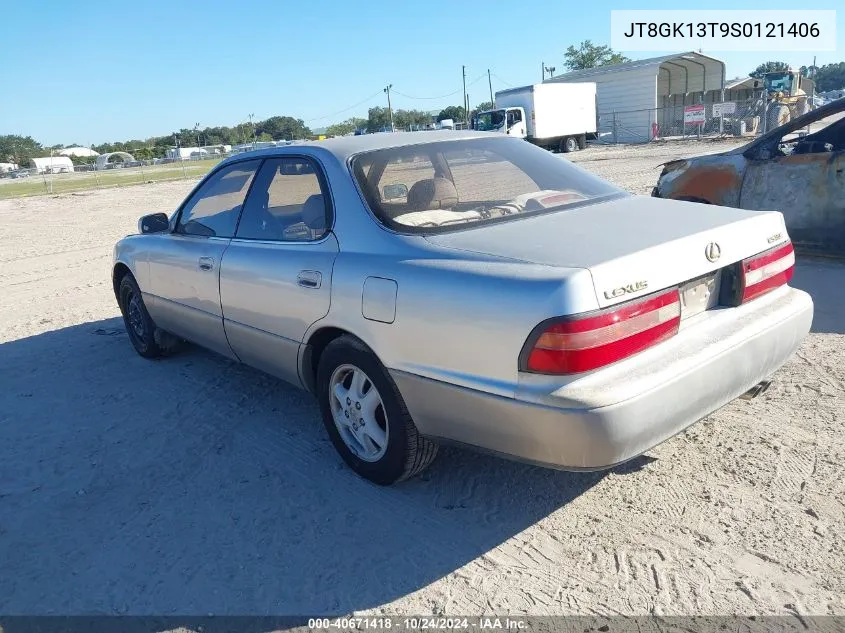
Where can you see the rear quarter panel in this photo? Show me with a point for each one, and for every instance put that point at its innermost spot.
(462, 320)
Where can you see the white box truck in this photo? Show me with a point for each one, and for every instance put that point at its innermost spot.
(557, 116)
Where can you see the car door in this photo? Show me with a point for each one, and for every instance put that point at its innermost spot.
(809, 189)
(184, 265)
(275, 278)
(804, 178)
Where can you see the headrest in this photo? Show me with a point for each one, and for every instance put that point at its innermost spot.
(432, 193)
(314, 212)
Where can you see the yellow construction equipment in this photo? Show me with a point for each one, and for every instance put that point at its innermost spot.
(788, 95)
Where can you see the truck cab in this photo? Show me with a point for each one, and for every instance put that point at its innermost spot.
(504, 120)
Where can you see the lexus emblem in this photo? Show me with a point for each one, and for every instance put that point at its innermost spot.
(712, 252)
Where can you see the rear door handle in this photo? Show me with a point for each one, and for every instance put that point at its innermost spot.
(309, 278)
(206, 263)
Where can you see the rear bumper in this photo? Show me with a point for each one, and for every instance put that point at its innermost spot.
(614, 414)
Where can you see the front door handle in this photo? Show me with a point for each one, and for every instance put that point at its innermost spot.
(206, 263)
(309, 278)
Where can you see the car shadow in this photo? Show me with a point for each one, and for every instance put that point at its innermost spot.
(822, 278)
(194, 485)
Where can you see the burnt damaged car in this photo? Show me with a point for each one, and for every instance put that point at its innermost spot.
(797, 169)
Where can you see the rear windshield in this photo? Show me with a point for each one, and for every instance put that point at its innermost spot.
(451, 185)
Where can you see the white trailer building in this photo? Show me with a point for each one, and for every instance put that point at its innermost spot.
(634, 96)
(53, 164)
(181, 153)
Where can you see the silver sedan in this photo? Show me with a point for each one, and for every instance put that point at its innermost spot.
(469, 288)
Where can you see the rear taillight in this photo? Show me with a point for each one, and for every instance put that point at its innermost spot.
(577, 344)
(767, 271)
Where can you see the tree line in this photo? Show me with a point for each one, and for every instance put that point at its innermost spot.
(378, 118)
(21, 150)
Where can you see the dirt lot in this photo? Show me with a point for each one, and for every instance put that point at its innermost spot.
(194, 485)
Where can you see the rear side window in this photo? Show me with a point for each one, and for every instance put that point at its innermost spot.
(449, 185)
(286, 204)
(214, 208)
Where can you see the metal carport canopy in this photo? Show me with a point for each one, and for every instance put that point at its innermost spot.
(680, 73)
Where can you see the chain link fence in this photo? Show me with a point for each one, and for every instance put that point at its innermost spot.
(28, 182)
(729, 118)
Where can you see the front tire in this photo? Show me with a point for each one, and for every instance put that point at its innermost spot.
(139, 324)
(366, 417)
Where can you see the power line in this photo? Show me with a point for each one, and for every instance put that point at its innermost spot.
(375, 94)
(507, 83)
(328, 116)
(477, 79)
(480, 77)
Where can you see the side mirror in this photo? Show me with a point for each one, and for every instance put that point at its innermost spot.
(154, 223)
(391, 192)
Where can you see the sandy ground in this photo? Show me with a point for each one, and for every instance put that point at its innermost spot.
(194, 485)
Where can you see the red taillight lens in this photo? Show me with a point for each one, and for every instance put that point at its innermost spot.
(579, 344)
(767, 271)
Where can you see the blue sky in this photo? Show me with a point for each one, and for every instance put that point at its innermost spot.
(87, 72)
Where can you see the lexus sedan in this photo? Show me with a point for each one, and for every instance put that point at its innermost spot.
(466, 287)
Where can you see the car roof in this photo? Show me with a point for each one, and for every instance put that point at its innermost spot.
(345, 146)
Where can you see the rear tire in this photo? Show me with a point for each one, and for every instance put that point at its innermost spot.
(383, 445)
(568, 144)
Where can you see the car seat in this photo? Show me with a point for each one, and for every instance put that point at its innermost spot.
(432, 193)
(314, 215)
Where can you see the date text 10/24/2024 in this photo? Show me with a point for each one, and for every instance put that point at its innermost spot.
(417, 623)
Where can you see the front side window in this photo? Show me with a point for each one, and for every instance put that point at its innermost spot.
(287, 203)
(436, 187)
(214, 209)
(822, 136)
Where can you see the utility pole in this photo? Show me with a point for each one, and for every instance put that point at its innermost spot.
(490, 83)
(389, 107)
(254, 138)
(543, 70)
(813, 73)
(464, 72)
(199, 147)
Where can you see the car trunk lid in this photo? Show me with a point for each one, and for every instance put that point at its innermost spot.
(632, 245)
